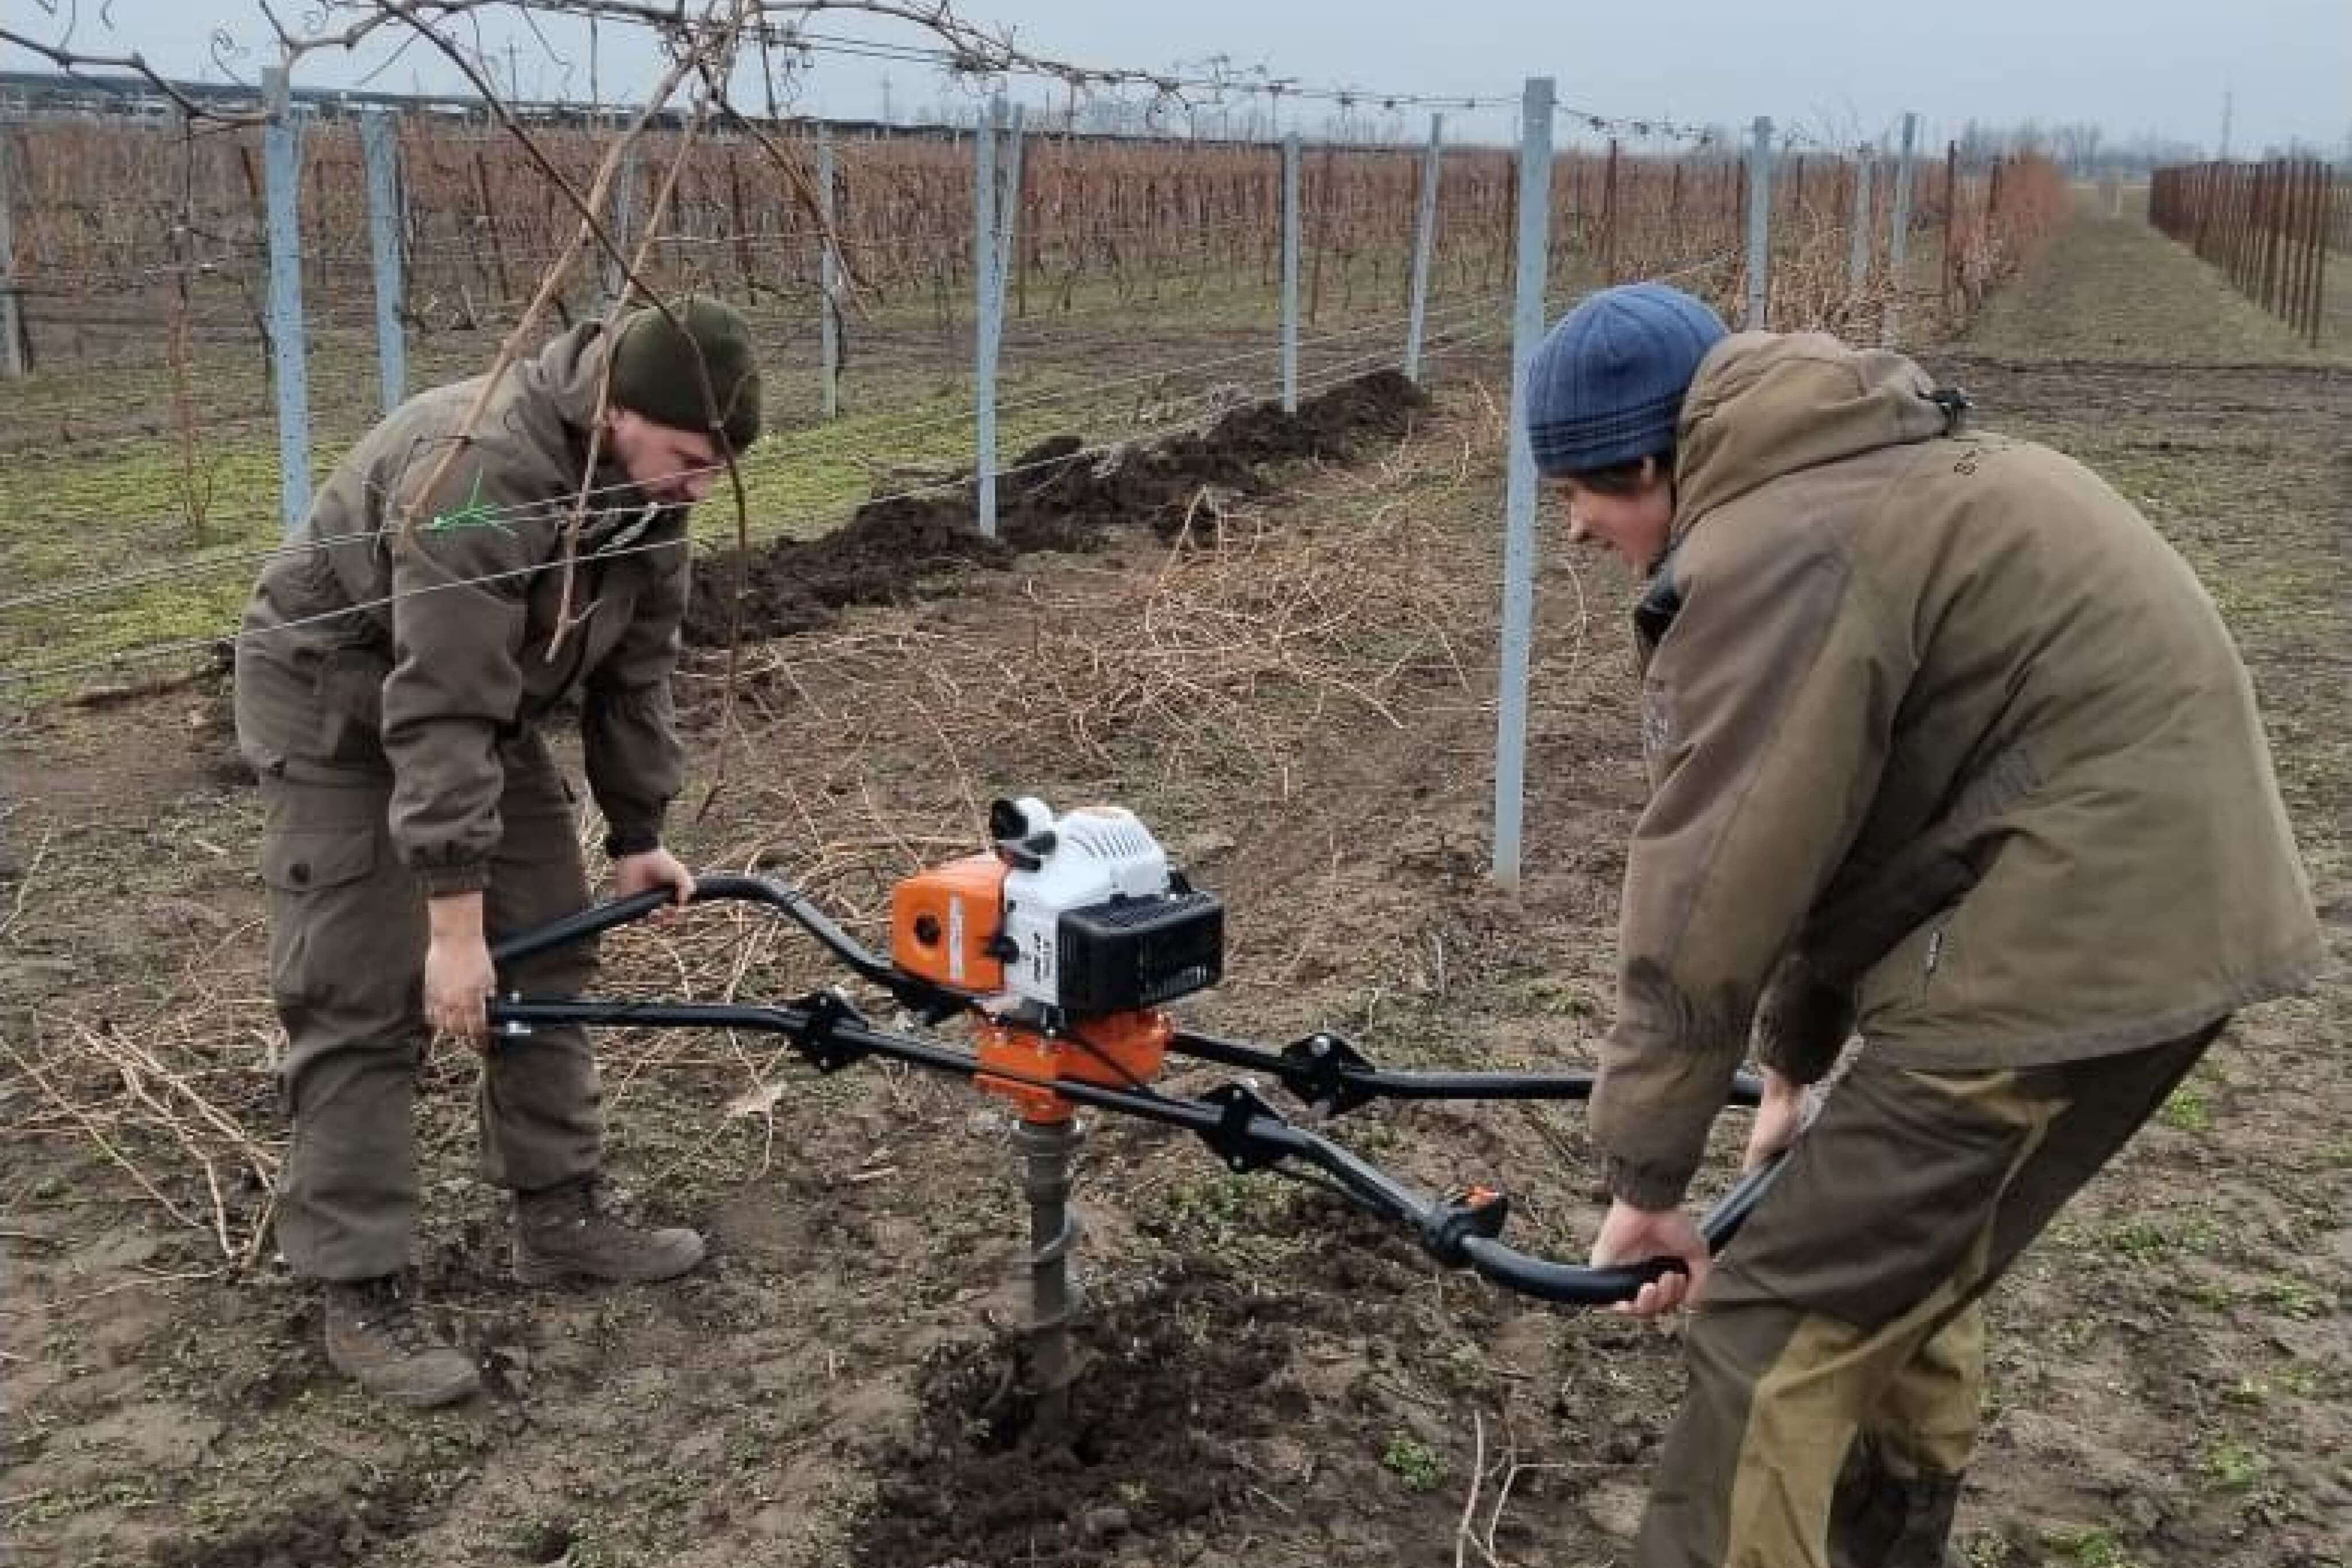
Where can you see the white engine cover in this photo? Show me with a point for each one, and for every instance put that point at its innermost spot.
(1099, 852)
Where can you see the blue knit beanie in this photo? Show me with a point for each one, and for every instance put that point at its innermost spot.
(1607, 385)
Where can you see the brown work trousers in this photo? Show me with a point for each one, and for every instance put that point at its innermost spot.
(1836, 1361)
(347, 941)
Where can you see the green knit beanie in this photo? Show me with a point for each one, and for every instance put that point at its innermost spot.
(653, 369)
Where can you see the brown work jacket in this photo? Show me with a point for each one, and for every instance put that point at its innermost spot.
(1945, 742)
(419, 650)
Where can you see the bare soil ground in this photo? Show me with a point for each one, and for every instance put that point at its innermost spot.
(1298, 695)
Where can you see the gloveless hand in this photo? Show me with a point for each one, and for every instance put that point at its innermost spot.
(1630, 1235)
(655, 868)
(458, 978)
(1779, 1117)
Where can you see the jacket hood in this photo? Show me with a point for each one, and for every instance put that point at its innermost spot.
(568, 371)
(1764, 404)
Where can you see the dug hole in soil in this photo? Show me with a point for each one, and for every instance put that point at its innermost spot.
(1168, 1386)
(1181, 1381)
(1060, 495)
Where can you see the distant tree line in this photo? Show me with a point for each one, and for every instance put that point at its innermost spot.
(2082, 148)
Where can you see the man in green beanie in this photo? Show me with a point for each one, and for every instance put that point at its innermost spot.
(1946, 748)
(394, 669)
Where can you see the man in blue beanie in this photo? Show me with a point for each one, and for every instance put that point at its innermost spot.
(1946, 748)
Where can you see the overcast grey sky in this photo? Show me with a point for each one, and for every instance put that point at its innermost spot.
(1841, 68)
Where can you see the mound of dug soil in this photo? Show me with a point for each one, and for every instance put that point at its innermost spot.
(1055, 495)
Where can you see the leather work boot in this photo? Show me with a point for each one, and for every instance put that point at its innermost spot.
(564, 1231)
(376, 1335)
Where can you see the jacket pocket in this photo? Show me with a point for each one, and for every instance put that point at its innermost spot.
(350, 705)
(1909, 972)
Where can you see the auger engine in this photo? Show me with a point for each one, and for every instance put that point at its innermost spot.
(1071, 934)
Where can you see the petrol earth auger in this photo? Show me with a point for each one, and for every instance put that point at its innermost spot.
(1063, 944)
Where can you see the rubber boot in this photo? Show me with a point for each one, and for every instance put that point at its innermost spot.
(564, 1232)
(376, 1335)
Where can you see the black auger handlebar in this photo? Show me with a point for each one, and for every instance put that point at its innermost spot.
(1323, 1070)
(598, 918)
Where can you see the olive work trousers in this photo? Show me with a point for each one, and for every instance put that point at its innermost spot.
(347, 943)
(1836, 1361)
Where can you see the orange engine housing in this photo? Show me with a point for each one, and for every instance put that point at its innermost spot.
(1119, 1050)
(943, 920)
